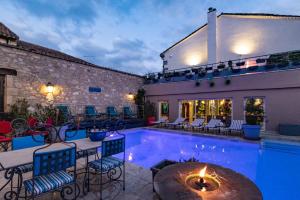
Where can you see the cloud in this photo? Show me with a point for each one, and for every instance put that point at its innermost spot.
(128, 34)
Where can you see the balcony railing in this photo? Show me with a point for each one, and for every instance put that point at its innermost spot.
(271, 62)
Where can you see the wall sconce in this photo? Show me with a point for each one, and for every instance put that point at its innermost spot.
(50, 87)
(130, 96)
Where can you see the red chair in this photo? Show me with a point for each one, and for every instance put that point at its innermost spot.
(5, 130)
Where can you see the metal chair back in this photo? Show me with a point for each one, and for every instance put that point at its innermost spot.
(113, 146)
(48, 162)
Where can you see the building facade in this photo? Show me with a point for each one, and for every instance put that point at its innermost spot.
(232, 36)
(233, 63)
(25, 70)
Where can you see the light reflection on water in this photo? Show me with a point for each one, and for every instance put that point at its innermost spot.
(276, 172)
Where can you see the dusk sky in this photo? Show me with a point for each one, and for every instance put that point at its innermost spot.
(127, 35)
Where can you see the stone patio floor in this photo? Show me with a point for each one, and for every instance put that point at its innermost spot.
(138, 187)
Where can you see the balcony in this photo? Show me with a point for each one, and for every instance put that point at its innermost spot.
(251, 65)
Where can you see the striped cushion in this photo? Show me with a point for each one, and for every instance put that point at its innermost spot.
(25, 168)
(107, 163)
(43, 184)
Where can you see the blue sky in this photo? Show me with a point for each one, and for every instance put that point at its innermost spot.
(127, 35)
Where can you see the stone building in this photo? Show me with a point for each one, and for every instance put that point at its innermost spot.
(25, 70)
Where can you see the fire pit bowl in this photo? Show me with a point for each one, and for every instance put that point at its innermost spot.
(193, 180)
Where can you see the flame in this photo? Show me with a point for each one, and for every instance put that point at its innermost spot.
(202, 172)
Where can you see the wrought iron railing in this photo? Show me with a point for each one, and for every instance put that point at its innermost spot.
(270, 62)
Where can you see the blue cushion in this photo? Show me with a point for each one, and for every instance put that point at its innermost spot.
(25, 168)
(43, 184)
(27, 142)
(107, 163)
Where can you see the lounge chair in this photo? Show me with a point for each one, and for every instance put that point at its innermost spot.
(128, 113)
(235, 126)
(196, 124)
(161, 121)
(90, 111)
(178, 122)
(65, 110)
(112, 112)
(213, 125)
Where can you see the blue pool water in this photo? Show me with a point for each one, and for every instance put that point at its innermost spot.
(274, 167)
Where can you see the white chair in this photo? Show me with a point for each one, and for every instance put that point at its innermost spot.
(196, 124)
(235, 126)
(213, 125)
(161, 121)
(178, 122)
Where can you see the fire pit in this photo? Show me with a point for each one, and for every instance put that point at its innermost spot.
(194, 180)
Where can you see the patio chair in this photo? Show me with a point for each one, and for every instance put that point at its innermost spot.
(90, 111)
(112, 112)
(108, 164)
(235, 126)
(50, 172)
(128, 113)
(178, 122)
(5, 137)
(196, 124)
(213, 125)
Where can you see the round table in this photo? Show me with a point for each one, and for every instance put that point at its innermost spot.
(170, 183)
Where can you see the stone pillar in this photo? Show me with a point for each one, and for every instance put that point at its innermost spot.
(212, 35)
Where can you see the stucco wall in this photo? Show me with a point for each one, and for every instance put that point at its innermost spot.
(281, 91)
(237, 37)
(73, 79)
(254, 36)
(192, 51)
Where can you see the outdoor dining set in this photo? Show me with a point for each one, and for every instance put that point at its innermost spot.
(45, 160)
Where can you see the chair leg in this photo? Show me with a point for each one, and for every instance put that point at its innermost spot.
(124, 177)
(101, 185)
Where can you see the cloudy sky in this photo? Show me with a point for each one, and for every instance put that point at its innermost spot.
(127, 35)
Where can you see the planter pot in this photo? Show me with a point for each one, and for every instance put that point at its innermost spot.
(150, 120)
(251, 132)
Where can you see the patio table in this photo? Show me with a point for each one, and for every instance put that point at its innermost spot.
(11, 160)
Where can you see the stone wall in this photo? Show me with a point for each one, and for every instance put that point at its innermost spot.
(73, 79)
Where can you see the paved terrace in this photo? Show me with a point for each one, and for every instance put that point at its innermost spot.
(138, 186)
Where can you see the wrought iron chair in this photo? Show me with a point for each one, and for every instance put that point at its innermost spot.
(5, 130)
(108, 164)
(50, 172)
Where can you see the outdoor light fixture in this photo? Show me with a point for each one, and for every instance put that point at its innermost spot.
(49, 91)
(50, 87)
(130, 96)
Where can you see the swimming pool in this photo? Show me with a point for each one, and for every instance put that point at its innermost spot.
(274, 167)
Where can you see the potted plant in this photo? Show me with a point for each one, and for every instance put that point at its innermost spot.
(254, 115)
(150, 112)
(139, 100)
